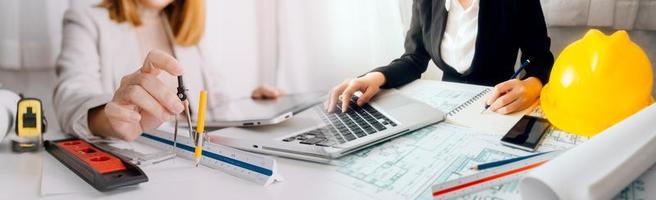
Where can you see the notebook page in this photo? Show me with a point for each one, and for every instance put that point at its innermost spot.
(473, 114)
(445, 96)
(463, 104)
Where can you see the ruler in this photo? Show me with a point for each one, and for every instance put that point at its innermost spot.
(245, 165)
(489, 178)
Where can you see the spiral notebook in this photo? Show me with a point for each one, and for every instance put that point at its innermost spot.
(464, 104)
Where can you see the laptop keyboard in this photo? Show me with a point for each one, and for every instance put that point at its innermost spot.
(357, 122)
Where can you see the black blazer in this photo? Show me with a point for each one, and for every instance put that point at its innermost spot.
(504, 27)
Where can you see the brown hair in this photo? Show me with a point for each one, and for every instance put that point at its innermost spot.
(186, 17)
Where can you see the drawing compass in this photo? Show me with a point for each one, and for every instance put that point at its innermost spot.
(182, 95)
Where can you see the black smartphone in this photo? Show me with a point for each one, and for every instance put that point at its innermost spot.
(527, 133)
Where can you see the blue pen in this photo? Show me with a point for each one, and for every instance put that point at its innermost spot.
(504, 162)
(521, 67)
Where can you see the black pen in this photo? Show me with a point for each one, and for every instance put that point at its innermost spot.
(521, 67)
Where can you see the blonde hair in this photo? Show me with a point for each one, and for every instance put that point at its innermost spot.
(186, 17)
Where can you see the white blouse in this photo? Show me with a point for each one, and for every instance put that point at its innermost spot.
(459, 41)
(8, 102)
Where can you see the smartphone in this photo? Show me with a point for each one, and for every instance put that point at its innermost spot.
(527, 133)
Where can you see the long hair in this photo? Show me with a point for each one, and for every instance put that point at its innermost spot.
(186, 17)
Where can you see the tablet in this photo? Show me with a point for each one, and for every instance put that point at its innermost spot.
(251, 112)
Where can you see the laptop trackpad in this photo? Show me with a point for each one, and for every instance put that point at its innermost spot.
(391, 99)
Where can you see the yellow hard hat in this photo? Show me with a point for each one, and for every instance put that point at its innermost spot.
(596, 82)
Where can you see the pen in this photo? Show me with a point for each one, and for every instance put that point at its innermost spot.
(521, 67)
(200, 127)
(503, 162)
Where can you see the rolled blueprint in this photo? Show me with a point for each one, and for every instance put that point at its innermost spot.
(601, 167)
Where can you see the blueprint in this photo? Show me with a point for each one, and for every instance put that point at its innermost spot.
(638, 189)
(406, 167)
(554, 140)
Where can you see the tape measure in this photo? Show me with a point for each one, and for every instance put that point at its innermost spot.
(489, 178)
(30, 125)
(245, 165)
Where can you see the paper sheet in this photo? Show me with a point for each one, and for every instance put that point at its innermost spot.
(603, 166)
(476, 116)
(465, 105)
(642, 188)
(405, 167)
(445, 96)
(57, 179)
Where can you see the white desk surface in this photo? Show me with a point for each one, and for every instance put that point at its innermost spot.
(20, 178)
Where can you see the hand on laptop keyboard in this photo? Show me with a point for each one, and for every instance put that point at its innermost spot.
(368, 84)
(342, 127)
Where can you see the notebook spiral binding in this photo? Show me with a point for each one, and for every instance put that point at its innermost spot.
(468, 102)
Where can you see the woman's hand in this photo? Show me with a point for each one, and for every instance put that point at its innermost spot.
(514, 95)
(368, 84)
(266, 92)
(142, 102)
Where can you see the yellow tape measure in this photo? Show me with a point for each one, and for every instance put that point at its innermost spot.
(30, 125)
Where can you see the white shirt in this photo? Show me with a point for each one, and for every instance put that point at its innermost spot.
(8, 102)
(97, 52)
(459, 41)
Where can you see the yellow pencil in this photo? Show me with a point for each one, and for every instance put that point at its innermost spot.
(200, 127)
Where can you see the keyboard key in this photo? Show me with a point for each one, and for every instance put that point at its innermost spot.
(368, 108)
(362, 123)
(313, 140)
(392, 123)
(338, 136)
(289, 139)
(370, 130)
(379, 126)
(326, 143)
(343, 130)
(360, 134)
(358, 122)
(349, 136)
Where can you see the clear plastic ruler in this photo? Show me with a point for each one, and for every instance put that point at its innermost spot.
(252, 167)
(489, 178)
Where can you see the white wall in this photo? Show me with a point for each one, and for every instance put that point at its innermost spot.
(324, 42)
(31, 33)
(321, 43)
(231, 30)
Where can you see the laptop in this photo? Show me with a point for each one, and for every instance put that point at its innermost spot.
(319, 136)
(252, 112)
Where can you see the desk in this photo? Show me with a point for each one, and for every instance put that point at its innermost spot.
(21, 174)
(303, 180)
(20, 178)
